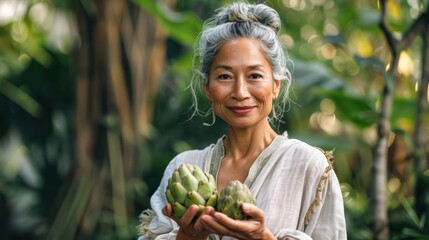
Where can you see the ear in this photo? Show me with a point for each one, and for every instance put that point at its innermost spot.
(276, 89)
(207, 91)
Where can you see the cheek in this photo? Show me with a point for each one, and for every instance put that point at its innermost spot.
(217, 93)
(263, 94)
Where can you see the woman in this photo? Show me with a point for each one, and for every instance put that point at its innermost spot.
(243, 74)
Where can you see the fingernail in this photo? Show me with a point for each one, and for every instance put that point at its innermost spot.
(245, 206)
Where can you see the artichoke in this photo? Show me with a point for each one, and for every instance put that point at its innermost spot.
(190, 185)
(231, 197)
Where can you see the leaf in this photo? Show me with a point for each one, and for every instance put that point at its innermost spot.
(403, 108)
(354, 108)
(350, 106)
(182, 63)
(323, 141)
(20, 98)
(315, 74)
(182, 27)
(410, 211)
(335, 39)
(408, 233)
(372, 62)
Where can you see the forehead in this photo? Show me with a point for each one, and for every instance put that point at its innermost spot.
(241, 51)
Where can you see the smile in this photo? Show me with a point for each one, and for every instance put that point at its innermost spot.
(241, 110)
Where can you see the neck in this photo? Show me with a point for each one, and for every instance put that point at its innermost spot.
(248, 143)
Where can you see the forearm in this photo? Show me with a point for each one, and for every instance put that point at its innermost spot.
(328, 222)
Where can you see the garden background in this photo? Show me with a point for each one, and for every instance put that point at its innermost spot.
(93, 106)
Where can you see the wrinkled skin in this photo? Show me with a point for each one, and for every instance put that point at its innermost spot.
(188, 228)
(252, 228)
(211, 221)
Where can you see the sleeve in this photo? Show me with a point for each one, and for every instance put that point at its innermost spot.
(154, 224)
(327, 221)
(289, 234)
(324, 217)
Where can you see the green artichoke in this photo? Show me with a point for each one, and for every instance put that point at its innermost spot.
(231, 197)
(190, 185)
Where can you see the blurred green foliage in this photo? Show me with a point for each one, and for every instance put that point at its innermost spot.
(339, 58)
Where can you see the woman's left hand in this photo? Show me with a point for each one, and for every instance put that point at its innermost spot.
(252, 228)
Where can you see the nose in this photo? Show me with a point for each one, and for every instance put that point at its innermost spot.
(240, 91)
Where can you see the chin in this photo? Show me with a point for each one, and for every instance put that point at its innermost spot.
(242, 125)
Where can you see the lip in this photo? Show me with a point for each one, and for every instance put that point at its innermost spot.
(241, 110)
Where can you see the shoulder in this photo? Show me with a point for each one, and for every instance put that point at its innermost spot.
(194, 156)
(303, 153)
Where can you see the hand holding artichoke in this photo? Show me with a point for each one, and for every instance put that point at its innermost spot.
(190, 185)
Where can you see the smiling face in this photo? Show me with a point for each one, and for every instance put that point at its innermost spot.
(241, 85)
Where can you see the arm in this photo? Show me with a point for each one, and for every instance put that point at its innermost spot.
(325, 218)
(328, 221)
(155, 222)
(321, 215)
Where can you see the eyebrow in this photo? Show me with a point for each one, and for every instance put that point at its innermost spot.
(226, 67)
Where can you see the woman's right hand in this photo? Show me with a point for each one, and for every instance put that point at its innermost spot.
(189, 229)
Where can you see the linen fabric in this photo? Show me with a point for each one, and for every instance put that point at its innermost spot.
(293, 183)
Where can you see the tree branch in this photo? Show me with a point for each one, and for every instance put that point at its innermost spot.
(415, 29)
(392, 41)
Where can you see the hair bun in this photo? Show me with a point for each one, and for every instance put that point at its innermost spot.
(245, 12)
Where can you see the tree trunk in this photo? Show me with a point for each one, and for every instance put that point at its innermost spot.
(379, 167)
(421, 131)
(118, 65)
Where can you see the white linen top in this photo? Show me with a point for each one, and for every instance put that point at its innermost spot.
(293, 184)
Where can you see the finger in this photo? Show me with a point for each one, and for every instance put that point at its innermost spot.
(241, 229)
(206, 211)
(167, 210)
(227, 222)
(220, 223)
(190, 213)
(252, 211)
(210, 224)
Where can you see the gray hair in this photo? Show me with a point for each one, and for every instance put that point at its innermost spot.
(241, 19)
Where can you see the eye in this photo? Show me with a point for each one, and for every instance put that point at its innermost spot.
(255, 76)
(224, 77)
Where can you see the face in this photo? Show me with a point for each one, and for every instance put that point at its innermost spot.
(241, 85)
